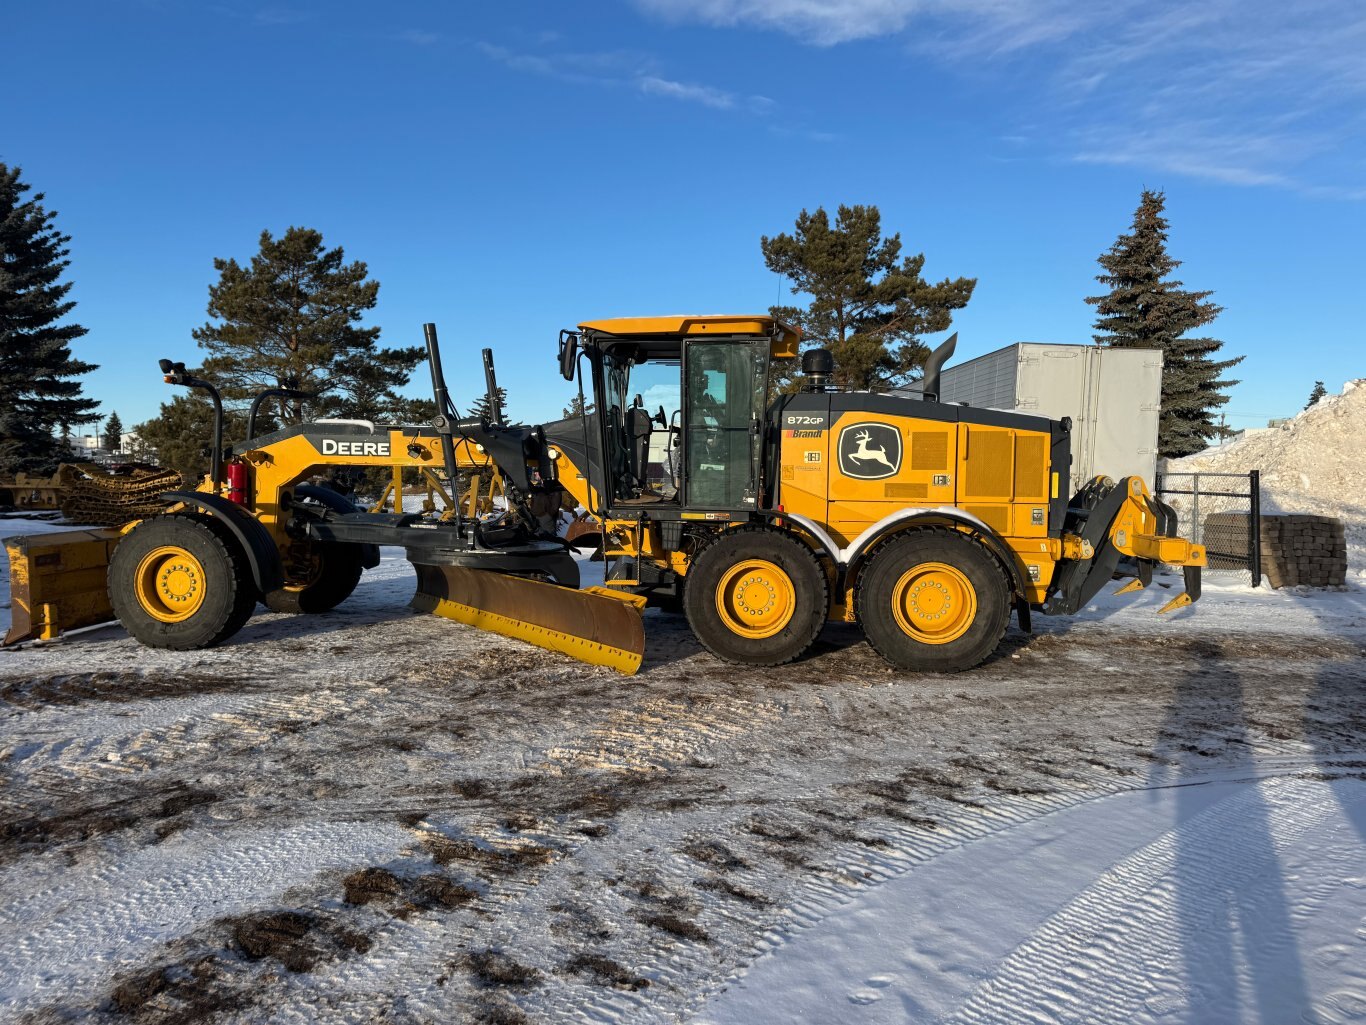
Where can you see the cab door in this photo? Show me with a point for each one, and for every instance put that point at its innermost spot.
(723, 408)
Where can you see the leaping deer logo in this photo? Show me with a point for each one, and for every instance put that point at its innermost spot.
(869, 451)
(866, 452)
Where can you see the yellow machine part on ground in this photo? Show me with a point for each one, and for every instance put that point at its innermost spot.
(58, 582)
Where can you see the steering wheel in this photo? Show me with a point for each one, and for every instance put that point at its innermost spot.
(660, 418)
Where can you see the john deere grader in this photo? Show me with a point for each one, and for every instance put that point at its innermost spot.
(924, 522)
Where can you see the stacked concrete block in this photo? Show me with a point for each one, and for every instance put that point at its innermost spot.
(1296, 550)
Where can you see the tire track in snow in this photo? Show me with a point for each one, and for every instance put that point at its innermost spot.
(137, 739)
(660, 733)
(1097, 959)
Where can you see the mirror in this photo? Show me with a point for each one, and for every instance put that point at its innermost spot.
(569, 350)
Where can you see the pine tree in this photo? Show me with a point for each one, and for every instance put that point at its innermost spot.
(575, 409)
(1319, 392)
(480, 406)
(291, 319)
(1145, 309)
(869, 305)
(38, 387)
(113, 433)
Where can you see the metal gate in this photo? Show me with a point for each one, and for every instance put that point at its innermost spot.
(1223, 512)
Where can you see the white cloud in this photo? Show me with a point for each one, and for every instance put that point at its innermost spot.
(1245, 92)
(824, 22)
(622, 68)
(703, 94)
(417, 37)
(280, 16)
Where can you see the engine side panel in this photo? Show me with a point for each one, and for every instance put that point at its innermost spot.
(847, 461)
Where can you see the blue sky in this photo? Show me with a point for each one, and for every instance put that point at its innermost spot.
(510, 169)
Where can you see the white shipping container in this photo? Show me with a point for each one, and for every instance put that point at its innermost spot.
(1112, 395)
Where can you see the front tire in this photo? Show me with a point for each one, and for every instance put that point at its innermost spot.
(933, 600)
(756, 596)
(178, 582)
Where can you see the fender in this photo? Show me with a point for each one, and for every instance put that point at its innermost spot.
(262, 555)
(850, 557)
(369, 554)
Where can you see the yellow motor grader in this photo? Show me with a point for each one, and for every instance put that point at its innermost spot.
(926, 523)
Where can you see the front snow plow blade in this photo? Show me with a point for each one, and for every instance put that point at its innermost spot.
(58, 582)
(595, 625)
(1109, 524)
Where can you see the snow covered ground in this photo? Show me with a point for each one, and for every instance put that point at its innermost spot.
(373, 814)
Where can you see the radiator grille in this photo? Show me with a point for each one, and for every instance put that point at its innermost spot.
(906, 491)
(996, 517)
(988, 464)
(1029, 466)
(929, 450)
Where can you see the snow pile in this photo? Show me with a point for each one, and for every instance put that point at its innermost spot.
(1313, 464)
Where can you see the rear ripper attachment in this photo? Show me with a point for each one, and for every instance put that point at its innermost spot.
(1119, 528)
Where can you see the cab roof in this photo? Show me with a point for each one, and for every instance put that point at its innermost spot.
(785, 337)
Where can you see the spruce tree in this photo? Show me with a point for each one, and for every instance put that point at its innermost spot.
(291, 318)
(480, 406)
(39, 392)
(1146, 309)
(869, 305)
(113, 433)
(1319, 392)
(575, 408)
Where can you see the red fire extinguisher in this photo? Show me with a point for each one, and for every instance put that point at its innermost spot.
(239, 483)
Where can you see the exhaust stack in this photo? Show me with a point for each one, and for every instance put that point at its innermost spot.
(929, 388)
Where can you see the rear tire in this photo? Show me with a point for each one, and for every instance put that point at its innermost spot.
(756, 596)
(177, 581)
(335, 576)
(934, 601)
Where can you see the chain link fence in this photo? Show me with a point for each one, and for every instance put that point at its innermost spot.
(1223, 512)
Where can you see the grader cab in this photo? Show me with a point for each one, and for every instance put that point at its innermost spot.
(761, 519)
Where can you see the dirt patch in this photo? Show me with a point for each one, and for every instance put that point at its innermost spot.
(133, 992)
(606, 972)
(73, 825)
(719, 885)
(176, 994)
(504, 860)
(683, 928)
(435, 890)
(77, 688)
(495, 968)
(715, 854)
(282, 936)
(183, 801)
(80, 821)
(370, 884)
(499, 1012)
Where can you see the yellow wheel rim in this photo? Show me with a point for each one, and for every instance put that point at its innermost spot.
(170, 584)
(934, 602)
(755, 598)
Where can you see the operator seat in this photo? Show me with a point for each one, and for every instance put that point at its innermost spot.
(638, 429)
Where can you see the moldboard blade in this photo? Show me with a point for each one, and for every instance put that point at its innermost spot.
(592, 627)
(58, 582)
